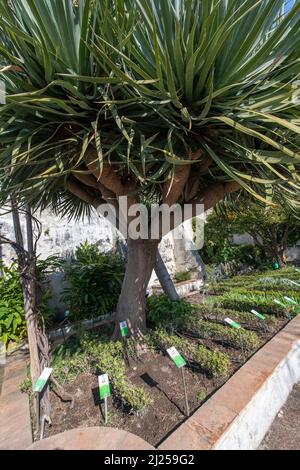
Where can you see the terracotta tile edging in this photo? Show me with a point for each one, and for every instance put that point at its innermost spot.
(238, 415)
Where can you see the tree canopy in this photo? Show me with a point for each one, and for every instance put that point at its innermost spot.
(169, 100)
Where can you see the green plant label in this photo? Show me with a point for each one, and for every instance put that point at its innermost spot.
(232, 323)
(292, 301)
(42, 380)
(258, 315)
(104, 387)
(295, 283)
(279, 303)
(124, 328)
(176, 357)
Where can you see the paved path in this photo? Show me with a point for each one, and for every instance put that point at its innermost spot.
(284, 433)
(94, 438)
(15, 426)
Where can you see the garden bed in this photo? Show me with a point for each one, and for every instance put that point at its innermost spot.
(159, 378)
(147, 395)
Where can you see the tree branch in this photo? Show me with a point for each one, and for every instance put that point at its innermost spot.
(105, 175)
(76, 189)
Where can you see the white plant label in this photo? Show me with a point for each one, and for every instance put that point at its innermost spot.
(104, 387)
(290, 300)
(232, 323)
(257, 314)
(176, 357)
(295, 283)
(42, 380)
(279, 303)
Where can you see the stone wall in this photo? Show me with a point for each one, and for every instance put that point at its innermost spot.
(61, 236)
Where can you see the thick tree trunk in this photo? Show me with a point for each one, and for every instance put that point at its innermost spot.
(28, 286)
(165, 278)
(132, 301)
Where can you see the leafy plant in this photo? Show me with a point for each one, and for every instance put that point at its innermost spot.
(95, 280)
(217, 332)
(185, 100)
(214, 362)
(259, 301)
(201, 395)
(99, 355)
(182, 276)
(12, 318)
(162, 310)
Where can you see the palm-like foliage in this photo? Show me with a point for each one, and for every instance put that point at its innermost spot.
(146, 82)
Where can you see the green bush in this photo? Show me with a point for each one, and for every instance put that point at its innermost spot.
(162, 310)
(99, 355)
(218, 332)
(214, 362)
(95, 281)
(182, 276)
(12, 318)
(260, 301)
(214, 253)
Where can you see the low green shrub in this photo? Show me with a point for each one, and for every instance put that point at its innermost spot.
(262, 301)
(12, 317)
(95, 281)
(214, 362)
(182, 276)
(100, 355)
(162, 310)
(217, 332)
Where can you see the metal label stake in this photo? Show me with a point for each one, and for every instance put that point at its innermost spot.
(38, 389)
(180, 363)
(185, 393)
(238, 327)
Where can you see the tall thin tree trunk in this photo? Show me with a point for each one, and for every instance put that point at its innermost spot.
(26, 266)
(164, 277)
(132, 301)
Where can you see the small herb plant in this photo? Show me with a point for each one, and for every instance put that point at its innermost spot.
(213, 362)
(162, 310)
(12, 317)
(99, 355)
(182, 276)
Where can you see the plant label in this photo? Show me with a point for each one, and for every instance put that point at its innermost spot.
(124, 329)
(279, 303)
(104, 387)
(295, 283)
(232, 323)
(292, 301)
(258, 315)
(176, 357)
(42, 380)
(298, 270)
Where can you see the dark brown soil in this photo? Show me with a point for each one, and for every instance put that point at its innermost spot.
(157, 375)
(161, 379)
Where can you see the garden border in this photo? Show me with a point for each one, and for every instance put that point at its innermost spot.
(239, 414)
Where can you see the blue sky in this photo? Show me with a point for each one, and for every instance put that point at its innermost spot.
(289, 4)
